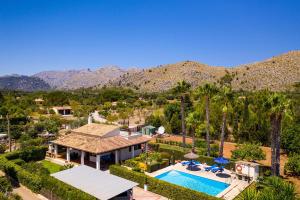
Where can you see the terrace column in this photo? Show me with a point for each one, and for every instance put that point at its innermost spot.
(116, 156)
(146, 147)
(68, 154)
(82, 157)
(55, 150)
(98, 158)
(132, 151)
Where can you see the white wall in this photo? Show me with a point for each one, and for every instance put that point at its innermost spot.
(125, 154)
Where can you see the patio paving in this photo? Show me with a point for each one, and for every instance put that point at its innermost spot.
(141, 194)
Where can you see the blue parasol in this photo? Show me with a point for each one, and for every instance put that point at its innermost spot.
(221, 160)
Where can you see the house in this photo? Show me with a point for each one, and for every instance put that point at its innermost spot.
(96, 183)
(62, 110)
(39, 101)
(95, 144)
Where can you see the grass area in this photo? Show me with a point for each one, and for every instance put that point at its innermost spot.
(52, 167)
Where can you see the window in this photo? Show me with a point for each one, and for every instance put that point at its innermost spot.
(129, 149)
(137, 147)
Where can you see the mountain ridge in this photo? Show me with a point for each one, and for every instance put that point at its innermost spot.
(276, 73)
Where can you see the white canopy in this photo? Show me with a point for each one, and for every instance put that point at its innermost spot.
(99, 184)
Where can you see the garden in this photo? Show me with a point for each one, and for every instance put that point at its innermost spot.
(28, 167)
(149, 162)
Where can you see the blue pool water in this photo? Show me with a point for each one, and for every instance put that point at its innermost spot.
(193, 182)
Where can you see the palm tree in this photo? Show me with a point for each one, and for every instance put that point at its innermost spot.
(182, 88)
(226, 96)
(276, 188)
(278, 106)
(208, 91)
(192, 122)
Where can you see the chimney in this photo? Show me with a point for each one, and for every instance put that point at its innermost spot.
(90, 120)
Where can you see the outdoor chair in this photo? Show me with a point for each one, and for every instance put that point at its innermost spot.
(211, 167)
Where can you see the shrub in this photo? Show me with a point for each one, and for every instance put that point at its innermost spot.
(32, 153)
(293, 165)
(32, 142)
(200, 143)
(18, 161)
(153, 146)
(163, 188)
(67, 166)
(5, 185)
(2, 148)
(249, 152)
(131, 163)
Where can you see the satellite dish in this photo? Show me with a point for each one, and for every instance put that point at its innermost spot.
(161, 130)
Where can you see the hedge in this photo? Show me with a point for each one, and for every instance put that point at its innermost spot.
(157, 166)
(17, 173)
(32, 153)
(42, 184)
(157, 186)
(62, 190)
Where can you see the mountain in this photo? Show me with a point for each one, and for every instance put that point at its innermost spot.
(74, 79)
(277, 73)
(24, 83)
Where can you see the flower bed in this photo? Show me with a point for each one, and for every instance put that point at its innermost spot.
(148, 162)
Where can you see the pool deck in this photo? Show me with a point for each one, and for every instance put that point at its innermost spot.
(236, 185)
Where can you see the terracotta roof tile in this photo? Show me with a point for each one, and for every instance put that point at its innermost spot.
(96, 144)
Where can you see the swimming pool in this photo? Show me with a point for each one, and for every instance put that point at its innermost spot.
(193, 182)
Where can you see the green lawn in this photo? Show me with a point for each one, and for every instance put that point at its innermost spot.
(52, 167)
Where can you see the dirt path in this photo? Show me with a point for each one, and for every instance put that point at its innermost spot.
(25, 193)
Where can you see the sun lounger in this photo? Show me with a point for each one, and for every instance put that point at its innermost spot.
(185, 163)
(211, 167)
(196, 163)
(217, 169)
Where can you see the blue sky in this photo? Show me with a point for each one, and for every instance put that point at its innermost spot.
(37, 35)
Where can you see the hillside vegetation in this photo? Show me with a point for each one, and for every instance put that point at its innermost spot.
(277, 73)
(23, 83)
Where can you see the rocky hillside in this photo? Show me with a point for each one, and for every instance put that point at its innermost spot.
(277, 73)
(24, 83)
(74, 79)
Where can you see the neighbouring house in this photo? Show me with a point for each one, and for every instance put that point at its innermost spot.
(99, 145)
(62, 110)
(96, 183)
(39, 101)
(3, 138)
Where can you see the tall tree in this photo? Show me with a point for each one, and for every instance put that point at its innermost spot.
(225, 96)
(192, 122)
(182, 89)
(208, 91)
(278, 106)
